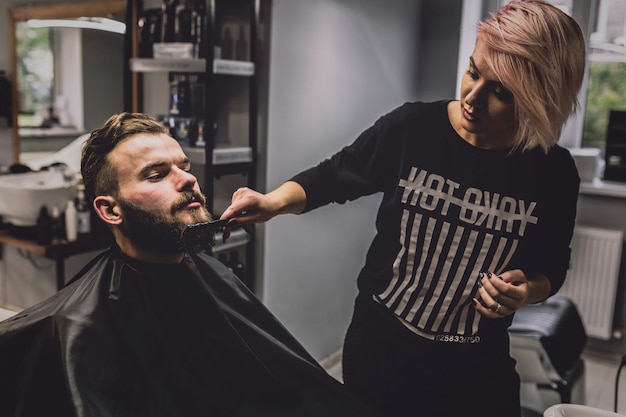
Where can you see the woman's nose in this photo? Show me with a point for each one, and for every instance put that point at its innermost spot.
(475, 96)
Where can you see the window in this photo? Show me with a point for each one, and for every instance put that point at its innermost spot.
(606, 88)
(49, 77)
(35, 73)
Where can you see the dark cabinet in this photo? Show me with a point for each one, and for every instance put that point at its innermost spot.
(615, 153)
(200, 66)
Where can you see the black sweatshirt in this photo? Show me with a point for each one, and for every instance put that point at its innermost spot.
(449, 210)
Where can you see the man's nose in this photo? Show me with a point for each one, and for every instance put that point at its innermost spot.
(185, 180)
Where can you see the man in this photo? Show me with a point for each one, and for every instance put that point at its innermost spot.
(150, 328)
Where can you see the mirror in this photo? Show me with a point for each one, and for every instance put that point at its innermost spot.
(87, 67)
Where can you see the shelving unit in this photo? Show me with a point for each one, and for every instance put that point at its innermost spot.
(210, 101)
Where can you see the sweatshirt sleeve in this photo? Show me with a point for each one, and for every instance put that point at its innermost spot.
(357, 170)
(552, 252)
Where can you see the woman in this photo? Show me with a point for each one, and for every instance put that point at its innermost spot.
(477, 215)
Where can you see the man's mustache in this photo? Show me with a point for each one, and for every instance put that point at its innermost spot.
(188, 198)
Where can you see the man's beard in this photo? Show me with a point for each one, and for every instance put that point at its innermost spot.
(154, 231)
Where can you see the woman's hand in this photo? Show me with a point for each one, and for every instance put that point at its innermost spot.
(500, 295)
(249, 206)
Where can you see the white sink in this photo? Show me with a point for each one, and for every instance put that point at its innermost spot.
(23, 195)
(575, 410)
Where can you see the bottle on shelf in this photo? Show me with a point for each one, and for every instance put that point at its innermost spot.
(83, 213)
(184, 21)
(44, 227)
(198, 29)
(57, 227)
(149, 31)
(227, 44)
(168, 20)
(241, 46)
(71, 222)
(5, 97)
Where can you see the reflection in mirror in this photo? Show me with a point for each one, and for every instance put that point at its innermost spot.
(66, 80)
(39, 105)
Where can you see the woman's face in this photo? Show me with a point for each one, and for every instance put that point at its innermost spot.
(487, 107)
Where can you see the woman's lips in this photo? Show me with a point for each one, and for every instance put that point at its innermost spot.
(469, 116)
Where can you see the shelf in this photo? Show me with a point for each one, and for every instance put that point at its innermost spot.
(38, 132)
(604, 188)
(616, 146)
(221, 156)
(220, 66)
(57, 251)
(238, 238)
(222, 93)
(166, 65)
(230, 67)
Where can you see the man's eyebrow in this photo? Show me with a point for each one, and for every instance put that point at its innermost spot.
(153, 166)
(162, 164)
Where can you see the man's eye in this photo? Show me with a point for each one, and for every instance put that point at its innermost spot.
(155, 176)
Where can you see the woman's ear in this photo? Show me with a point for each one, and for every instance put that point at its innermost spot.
(108, 210)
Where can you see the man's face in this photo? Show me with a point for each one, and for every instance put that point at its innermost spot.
(158, 196)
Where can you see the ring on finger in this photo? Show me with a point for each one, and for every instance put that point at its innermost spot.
(498, 307)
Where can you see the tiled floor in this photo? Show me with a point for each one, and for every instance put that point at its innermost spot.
(600, 377)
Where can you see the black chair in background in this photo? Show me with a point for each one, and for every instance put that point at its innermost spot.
(547, 341)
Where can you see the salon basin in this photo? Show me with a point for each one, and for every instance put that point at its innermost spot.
(575, 410)
(23, 195)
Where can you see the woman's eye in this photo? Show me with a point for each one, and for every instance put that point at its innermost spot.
(503, 94)
(472, 74)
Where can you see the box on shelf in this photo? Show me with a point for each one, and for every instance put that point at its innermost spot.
(232, 155)
(586, 160)
(173, 50)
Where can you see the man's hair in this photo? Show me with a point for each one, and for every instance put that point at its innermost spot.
(538, 53)
(99, 176)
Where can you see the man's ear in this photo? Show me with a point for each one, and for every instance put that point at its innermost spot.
(108, 210)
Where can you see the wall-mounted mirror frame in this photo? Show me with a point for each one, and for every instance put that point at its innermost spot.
(68, 10)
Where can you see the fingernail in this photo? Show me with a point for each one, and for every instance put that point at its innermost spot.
(489, 275)
(481, 274)
(480, 283)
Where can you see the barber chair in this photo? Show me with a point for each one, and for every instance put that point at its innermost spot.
(547, 341)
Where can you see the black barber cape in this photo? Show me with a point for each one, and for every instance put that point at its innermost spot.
(126, 338)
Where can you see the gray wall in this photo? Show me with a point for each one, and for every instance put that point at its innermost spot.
(336, 66)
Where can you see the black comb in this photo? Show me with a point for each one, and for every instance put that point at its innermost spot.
(203, 233)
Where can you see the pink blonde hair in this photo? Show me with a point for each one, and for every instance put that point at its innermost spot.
(538, 52)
